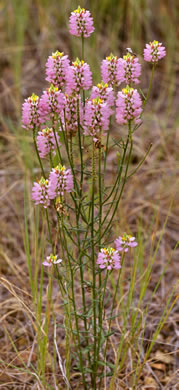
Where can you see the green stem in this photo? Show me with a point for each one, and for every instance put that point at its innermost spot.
(149, 88)
(101, 314)
(123, 184)
(71, 150)
(113, 304)
(46, 325)
(37, 152)
(105, 154)
(74, 306)
(51, 160)
(82, 47)
(141, 162)
(83, 58)
(69, 158)
(74, 176)
(57, 145)
(93, 267)
(80, 146)
(81, 262)
(49, 230)
(99, 246)
(118, 175)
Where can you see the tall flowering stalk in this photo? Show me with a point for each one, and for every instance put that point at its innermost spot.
(71, 135)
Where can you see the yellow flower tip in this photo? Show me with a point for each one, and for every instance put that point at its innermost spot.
(52, 88)
(128, 56)
(78, 62)
(43, 181)
(102, 85)
(57, 54)
(34, 97)
(60, 168)
(111, 57)
(127, 90)
(79, 10)
(97, 101)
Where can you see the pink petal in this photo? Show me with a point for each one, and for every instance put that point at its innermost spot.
(47, 264)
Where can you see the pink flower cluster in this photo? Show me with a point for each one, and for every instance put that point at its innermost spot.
(129, 106)
(70, 116)
(51, 103)
(61, 107)
(30, 112)
(104, 92)
(109, 258)
(96, 118)
(46, 141)
(109, 70)
(129, 69)
(81, 23)
(56, 68)
(52, 259)
(78, 77)
(40, 193)
(60, 180)
(123, 243)
(154, 51)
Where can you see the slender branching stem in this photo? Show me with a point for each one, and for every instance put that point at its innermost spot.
(74, 305)
(38, 155)
(124, 181)
(57, 145)
(149, 88)
(93, 265)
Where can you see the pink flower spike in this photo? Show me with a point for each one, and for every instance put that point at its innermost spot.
(109, 69)
(69, 116)
(109, 258)
(124, 242)
(129, 69)
(60, 180)
(81, 22)
(46, 142)
(52, 259)
(129, 106)
(104, 92)
(154, 51)
(96, 119)
(51, 103)
(40, 193)
(78, 77)
(56, 69)
(30, 112)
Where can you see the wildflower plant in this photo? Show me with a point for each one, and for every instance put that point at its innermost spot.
(73, 135)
